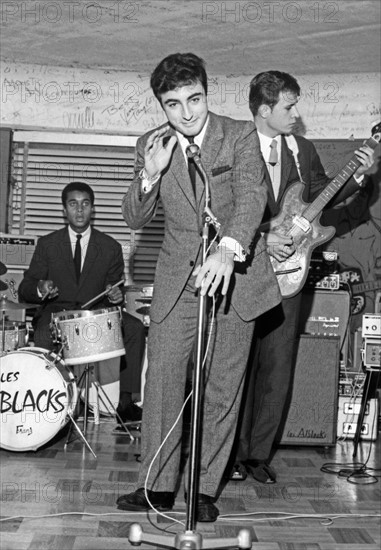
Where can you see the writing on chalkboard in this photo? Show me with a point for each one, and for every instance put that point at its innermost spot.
(70, 98)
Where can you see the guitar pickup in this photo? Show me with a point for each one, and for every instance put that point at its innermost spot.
(302, 223)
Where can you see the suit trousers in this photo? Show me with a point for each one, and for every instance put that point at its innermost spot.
(268, 380)
(134, 340)
(170, 346)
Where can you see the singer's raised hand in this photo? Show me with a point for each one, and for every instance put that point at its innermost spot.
(156, 154)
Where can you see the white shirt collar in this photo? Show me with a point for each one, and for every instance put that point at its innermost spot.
(85, 236)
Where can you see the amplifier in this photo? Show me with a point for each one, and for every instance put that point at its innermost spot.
(326, 313)
(347, 418)
(322, 272)
(311, 417)
(17, 250)
(16, 253)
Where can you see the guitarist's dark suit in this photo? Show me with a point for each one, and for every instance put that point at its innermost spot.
(276, 331)
(103, 265)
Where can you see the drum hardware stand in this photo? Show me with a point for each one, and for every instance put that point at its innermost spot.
(190, 539)
(83, 381)
(99, 388)
(58, 357)
(3, 332)
(84, 384)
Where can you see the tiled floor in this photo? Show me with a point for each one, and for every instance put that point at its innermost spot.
(71, 496)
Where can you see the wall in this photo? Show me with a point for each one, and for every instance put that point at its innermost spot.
(39, 96)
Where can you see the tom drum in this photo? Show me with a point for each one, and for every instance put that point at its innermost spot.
(89, 335)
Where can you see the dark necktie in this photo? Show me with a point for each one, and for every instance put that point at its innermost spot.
(192, 168)
(78, 257)
(273, 158)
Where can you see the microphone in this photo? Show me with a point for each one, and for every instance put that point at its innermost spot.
(193, 152)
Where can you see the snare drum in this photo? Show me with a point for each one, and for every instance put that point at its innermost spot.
(89, 336)
(138, 302)
(16, 336)
(38, 392)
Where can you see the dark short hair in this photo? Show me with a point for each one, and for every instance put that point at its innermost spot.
(266, 87)
(77, 186)
(178, 69)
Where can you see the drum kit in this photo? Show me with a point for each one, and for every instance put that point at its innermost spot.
(39, 392)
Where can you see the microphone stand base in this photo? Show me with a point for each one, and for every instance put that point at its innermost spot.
(189, 540)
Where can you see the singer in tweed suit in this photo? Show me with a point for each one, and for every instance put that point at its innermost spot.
(242, 289)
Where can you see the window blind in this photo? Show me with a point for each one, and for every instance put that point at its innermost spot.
(40, 171)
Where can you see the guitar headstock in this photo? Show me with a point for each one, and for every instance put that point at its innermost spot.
(376, 132)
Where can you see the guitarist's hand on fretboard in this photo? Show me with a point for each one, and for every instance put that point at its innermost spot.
(279, 246)
(366, 156)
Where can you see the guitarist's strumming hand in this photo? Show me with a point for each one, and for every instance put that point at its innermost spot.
(279, 246)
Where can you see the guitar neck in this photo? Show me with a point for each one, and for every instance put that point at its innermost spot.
(365, 287)
(335, 185)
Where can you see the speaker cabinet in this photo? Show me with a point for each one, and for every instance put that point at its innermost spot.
(326, 313)
(311, 414)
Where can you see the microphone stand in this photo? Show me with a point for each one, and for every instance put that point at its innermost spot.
(190, 539)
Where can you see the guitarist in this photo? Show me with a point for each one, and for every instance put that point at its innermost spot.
(273, 102)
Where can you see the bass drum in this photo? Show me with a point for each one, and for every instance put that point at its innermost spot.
(38, 392)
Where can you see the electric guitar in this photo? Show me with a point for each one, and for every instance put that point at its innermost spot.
(300, 220)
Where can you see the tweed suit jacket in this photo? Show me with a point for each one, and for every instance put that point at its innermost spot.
(231, 156)
(53, 259)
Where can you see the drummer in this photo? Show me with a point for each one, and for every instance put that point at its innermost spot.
(69, 268)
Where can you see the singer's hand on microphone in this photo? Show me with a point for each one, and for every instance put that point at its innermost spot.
(156, 154)
(217, 267)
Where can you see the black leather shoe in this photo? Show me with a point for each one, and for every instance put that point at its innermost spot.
(238, 473)
(261, 471)
(131, 413)
(206, 511)
(137, 502)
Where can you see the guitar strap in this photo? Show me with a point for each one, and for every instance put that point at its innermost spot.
(293, 146)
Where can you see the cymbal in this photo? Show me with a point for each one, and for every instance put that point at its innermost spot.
(3, 268)
(7, 305)
(3, 286)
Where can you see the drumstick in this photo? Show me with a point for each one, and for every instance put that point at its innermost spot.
(102, 294)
